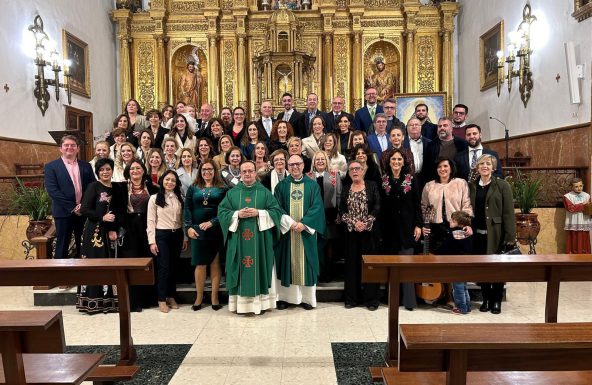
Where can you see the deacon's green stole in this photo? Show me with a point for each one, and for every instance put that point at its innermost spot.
(296, 246)
(248, 273)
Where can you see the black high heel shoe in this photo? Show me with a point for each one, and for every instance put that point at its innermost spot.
(216, 307)
(484, 306)
(196, 307)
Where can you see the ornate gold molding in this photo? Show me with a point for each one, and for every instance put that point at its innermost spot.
(145, 69)
(582, 9)
(426, 69)
(228, 59)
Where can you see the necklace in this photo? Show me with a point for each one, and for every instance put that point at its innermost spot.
(203, 194)
(231, 173)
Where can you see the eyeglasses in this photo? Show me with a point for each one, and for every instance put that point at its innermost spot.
(388, 107)
(295, 164)
(458, 112)
(247, 171)
(279, 161)
(355, 169)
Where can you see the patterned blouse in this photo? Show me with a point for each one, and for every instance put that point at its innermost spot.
(357, 210)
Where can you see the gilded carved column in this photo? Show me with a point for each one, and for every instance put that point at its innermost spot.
(357, 71)
(242, 72)
(447, 64)
(327, 69)
(410, 53)
(214, 77)
(161, 79)
(123, 17)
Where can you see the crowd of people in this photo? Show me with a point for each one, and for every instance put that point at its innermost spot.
(271, 204)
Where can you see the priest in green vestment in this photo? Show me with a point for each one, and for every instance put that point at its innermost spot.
(249, 217)
(296, 254)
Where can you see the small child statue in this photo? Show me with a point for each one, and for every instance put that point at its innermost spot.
(577, 224)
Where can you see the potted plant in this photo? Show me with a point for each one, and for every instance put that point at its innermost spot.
(33, 201)
(526, 190)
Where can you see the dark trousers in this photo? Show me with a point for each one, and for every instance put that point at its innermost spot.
(170, 243)
(65, 227)
(359, 244)
(491, 291)
(409, 300)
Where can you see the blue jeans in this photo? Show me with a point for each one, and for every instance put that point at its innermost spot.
(461, 296)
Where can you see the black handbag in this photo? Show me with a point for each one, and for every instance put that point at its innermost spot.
(512, 249)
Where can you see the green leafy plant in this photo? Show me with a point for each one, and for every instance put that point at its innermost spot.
(526, 190)
(31, 201)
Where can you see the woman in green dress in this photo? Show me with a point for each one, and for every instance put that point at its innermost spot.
(203, 228)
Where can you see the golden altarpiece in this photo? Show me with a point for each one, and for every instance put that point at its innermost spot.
(249, 51)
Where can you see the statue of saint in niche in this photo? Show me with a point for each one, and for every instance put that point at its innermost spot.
(383, 79)
(188, 85)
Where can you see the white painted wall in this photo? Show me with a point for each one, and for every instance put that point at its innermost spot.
(88, 20)
(549, 106)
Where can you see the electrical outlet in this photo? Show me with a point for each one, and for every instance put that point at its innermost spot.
(574, 114)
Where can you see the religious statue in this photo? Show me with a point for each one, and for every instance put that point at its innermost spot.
(577, 220)
(189, 84)
(286, 80)
(383, 79)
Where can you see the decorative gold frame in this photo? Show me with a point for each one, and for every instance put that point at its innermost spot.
(436, 102)
(582, 9)
(494, 40)
(76, 50)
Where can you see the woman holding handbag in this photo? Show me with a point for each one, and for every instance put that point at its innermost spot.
(493, 223)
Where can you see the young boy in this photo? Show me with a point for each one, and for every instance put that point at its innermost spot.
(458, 243)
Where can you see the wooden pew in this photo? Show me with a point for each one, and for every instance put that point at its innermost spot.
(66, 369)
(54, 272)
(394, 269)
(394, 377)
(460, 348)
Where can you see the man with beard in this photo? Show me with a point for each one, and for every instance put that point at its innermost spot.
(189, 82)
(444, 146)
(467, 160)
(292, 116)
(390, 108)
(364, 117)
(226, 117)
(428, 129)
(459, 120)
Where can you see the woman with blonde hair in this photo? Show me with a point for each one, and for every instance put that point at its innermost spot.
(101, 151)
(187, 170)
(329, 144)
(224, 144)
(125, 156)
(155, 165)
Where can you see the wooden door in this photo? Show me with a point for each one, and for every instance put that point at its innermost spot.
(81, 122)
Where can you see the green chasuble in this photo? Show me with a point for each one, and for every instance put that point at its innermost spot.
(296, 255)
(249, 252)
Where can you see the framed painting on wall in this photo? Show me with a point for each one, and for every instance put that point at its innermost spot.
(489, 43)
(435, 101)
(77, 51)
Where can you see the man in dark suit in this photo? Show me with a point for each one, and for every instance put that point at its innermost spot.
(201, 125)
(418, 145)
(332, 117)
(444, 146)
(379, 142)
(292, 116)
(266, 121)
(467, 159)
(364, 117)
(428, 129)
(66, 180)
(390, 108)
(312, 110)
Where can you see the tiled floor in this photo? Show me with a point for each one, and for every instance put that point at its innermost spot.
(285, 347)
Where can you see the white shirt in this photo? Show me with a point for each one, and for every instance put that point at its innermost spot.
(472, 150)
(288, 114)
(267, 124)
(382, 141)
(417, 150)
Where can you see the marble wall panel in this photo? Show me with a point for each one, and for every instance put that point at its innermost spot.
(17, 151)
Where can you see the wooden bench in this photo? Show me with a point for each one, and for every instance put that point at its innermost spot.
(67, 369)
(121, 272)
(460, 348)
(108, 374)
(394, 377)
(394, 269)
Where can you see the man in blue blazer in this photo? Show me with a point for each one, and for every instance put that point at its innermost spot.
(464, 159)
(364, 116)
(66, 180)
(379, 142)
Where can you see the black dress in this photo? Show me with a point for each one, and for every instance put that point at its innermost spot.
(96, 203)
(130, 210)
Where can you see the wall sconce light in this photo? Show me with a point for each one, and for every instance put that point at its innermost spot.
(45, 53)
(519, 47)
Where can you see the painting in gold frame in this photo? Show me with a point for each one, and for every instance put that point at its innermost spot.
(436, 102)
(582, 9)
(77, 51)
(489, 43)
